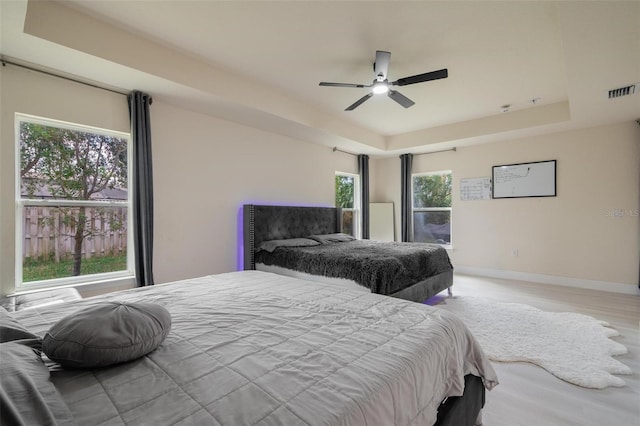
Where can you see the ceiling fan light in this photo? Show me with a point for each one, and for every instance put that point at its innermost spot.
(380, 88)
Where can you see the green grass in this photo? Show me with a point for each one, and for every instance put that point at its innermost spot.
(44, 269)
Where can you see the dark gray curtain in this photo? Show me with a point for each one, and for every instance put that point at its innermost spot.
(363, 165)
(142, 186)
(405, 197)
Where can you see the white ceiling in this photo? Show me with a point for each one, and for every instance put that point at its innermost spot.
(261, 62)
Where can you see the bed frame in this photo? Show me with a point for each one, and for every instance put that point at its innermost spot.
(265, 223)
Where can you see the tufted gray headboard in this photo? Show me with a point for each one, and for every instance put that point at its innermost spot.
(265, 223)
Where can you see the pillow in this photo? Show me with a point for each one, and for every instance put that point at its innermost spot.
(107, 333)
(11, 329)
(332, 238)
(271, 245)
(27, 396)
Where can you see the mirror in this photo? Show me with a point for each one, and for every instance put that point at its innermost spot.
(381, 223)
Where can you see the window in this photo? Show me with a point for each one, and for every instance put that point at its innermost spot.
(432, 207)
(348, 198)
(73, 203)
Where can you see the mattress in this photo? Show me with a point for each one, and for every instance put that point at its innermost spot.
(255, 348)
(350, 284)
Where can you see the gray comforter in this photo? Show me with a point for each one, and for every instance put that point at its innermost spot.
(253, 348)
(383, 267)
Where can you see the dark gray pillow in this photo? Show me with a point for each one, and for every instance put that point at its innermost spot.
(290, 242)
(27, 396)
(11, 329)
(107, 333)
(332, 238)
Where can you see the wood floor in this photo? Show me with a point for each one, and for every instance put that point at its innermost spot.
(530, 396)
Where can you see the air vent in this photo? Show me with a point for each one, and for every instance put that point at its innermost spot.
(623, 91)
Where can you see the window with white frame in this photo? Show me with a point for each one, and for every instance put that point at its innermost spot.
(432, 207)
(348, 198)
(73, 203)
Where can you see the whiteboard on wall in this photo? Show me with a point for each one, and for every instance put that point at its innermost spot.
(536, 179)
(475, 189)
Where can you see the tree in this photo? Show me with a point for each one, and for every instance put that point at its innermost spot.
(432, 191)
(71, 165)
(344, 192)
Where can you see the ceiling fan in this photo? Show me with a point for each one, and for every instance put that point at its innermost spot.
(381, 85)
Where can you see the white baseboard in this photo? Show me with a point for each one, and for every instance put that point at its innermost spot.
(550, 279)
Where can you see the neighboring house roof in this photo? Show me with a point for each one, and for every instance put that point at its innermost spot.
(43, 191)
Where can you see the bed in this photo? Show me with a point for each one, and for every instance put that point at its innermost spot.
(412, 271)
(255, 348)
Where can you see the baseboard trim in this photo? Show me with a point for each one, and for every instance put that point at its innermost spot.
(611, 287)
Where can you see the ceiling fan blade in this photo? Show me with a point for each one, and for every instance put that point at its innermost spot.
(359, 102)
(400, 98)
(428, 76)
(381, 65)
(324, 83)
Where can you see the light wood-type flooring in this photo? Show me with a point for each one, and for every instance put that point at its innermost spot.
(530, 396)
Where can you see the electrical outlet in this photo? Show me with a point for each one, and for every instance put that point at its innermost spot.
(514, 252)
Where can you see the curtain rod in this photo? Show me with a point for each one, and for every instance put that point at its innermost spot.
(344, 152)
(424, 153)
(6, 61)
(435, 152)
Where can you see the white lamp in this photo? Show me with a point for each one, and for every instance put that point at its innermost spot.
(380, 88)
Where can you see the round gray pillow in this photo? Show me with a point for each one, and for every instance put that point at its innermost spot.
(106, 334)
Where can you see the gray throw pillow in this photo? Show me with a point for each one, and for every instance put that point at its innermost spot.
(27, 396)
(11, 329)
(271, 245)
(332, 238)
(106, 334)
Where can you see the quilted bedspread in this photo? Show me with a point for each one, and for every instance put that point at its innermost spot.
(254, 348)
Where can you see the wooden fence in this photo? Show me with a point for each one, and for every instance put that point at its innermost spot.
(48, 232)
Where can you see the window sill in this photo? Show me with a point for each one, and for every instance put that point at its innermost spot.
(86, 288)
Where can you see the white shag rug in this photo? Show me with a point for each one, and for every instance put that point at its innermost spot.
(573, 347)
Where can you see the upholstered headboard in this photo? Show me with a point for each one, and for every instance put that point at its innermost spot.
(265, 223)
